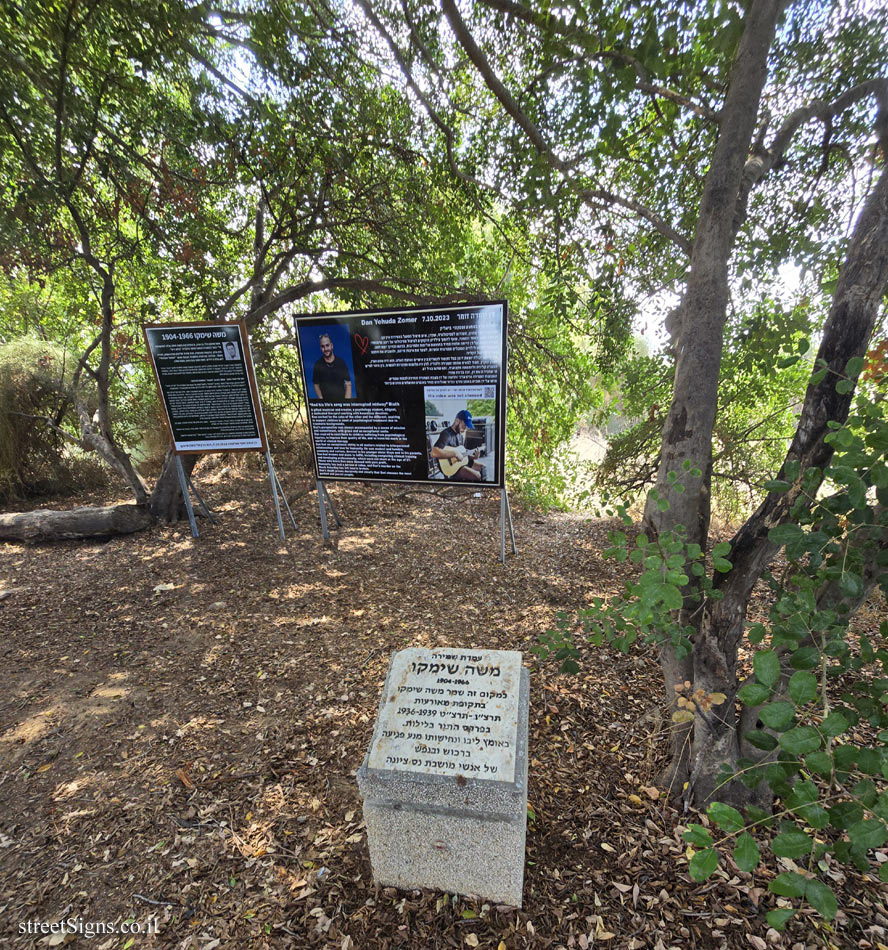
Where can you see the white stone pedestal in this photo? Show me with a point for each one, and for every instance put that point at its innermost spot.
(444, 781)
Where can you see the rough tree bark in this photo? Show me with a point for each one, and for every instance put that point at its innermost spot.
(846, 333)
(166, 503)
(697, 328)
(47, 525)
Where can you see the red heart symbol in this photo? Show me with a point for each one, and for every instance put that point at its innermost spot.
(363, 342)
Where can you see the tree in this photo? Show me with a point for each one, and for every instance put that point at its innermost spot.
(661, 132)
(148, 183)
(98, 121)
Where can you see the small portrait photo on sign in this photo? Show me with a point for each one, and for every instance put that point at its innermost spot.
(230, 350)
(460, 436)
(327, 357)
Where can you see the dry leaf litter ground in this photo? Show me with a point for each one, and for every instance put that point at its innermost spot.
(181, 723)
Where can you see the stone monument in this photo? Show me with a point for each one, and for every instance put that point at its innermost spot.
(444, 781)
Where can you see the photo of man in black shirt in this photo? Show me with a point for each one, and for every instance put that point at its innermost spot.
(330, 377)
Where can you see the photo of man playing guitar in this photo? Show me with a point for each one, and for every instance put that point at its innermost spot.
(456, 462)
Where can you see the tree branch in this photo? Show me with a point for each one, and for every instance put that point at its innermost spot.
(549, 22)
(764, 160)
(432, 112)
(308, 287)
(506, 100)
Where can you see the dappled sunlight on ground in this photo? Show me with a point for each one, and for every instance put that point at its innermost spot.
(182, 721)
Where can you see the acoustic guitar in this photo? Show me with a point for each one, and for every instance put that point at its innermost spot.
(451, 466)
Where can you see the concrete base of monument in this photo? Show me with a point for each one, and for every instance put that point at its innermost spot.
(451, 832)
(460, 854)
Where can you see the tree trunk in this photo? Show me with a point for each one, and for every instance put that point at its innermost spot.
(166, 503)
(697, 325)
(697, 328)
(46, 525)
(846, 333)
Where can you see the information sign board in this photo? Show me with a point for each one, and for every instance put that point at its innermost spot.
(207, 384)
(407, 395)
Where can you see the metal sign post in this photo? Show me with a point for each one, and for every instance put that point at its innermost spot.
(186, 497)
(324, 500)
(506, 514)
(276, 490)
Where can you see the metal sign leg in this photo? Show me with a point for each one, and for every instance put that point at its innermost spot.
(204, 507)
(280, 490)
(274, 494)
(323, 507)
(511, 527)
(284, 500)
(186, 497)
(506, 515)
(332, 509)
(503, 526)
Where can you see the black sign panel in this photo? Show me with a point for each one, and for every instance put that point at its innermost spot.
(205, 376)
(414, 395)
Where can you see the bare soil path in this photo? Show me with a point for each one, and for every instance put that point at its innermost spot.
(181, 722)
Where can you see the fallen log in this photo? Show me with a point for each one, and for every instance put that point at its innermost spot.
(44, 524)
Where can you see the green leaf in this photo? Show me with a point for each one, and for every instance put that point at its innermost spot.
(721, 549)
(761, 739)
(821, 898)
(815, 816)
(726, 817)
(803, 793)
(844, 386)
(792, 843)
(671, 597)
(756, 633)
(800, 741)
(753, 694)
(867, 794)
(819, 762)
(746, 852)
(778, 918)
(788, 884)
(851, 585)
(870, 761)
(803, 687)
(834, 724)
(785, 534)
(721, 565)
(778, 716)
(845, 814)
(883, 872)
(703, 863)
(767, 667)
(698, 836)
(777, 485)
(854, 366)
(870, 833)
(805, 658)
